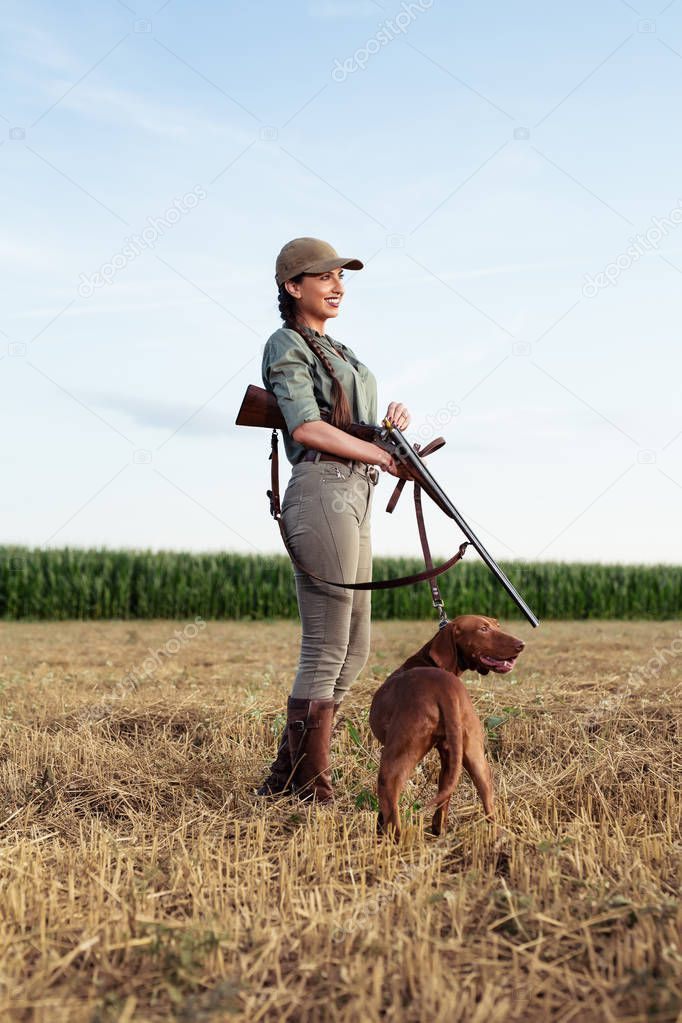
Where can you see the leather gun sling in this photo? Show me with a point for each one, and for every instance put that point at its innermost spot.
(382, 584)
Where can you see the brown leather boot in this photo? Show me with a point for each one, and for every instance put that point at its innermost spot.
(309, 724)
(278, 782)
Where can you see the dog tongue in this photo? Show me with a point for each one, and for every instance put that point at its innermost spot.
(502, 667)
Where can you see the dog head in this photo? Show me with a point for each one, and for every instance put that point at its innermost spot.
(476, 643)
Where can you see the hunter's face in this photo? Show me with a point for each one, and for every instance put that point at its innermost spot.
(319, 295)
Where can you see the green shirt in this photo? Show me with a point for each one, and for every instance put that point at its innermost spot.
(302, 386)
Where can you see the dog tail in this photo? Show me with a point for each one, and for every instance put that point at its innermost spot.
(455, 740)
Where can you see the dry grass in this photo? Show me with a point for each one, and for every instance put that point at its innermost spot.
(140, 880)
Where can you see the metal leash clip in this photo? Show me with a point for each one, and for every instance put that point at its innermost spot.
(442, 615)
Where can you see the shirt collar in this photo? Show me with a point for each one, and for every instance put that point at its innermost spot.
(333, 345)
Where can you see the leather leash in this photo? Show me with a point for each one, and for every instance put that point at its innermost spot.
(383, 584)
(436, 597)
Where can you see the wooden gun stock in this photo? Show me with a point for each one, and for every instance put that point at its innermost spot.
(259, 408)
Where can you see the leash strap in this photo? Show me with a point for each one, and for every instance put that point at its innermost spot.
(435, 445)
(383, 584)
(436, 597)
(428, 560)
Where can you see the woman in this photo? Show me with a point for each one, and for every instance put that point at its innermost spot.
(321, 386)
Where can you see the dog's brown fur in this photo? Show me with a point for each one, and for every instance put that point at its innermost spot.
(424, 703)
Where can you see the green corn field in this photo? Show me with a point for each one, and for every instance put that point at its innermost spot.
(75, 583)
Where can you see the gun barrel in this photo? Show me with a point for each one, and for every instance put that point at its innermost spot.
(438, 495)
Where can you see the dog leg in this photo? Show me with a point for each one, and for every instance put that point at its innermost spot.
(479, 771)
(440, 817)
(388, 794)
(393, 773)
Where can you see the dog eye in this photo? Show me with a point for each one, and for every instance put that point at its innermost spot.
(483, 628)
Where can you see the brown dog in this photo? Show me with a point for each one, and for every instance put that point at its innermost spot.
(424, 703)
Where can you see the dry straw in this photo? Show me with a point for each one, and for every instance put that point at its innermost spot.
(141, 881)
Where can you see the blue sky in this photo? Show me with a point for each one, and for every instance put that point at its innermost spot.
(508, 173)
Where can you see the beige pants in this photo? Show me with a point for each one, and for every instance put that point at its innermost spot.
(326, 515)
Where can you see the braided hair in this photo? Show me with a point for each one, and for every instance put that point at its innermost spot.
(341, 415)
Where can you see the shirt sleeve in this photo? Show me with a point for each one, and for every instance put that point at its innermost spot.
(287, 373)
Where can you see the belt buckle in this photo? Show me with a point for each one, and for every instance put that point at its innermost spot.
(373, 474)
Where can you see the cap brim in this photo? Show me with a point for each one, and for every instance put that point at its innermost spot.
(323, 265)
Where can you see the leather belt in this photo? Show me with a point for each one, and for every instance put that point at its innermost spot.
(371, 471)
(311, 455)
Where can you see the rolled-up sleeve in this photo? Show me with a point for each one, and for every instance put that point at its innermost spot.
(287, 373)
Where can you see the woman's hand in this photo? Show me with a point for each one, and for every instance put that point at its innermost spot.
(398, 415)
(325, 437)
(384, 460)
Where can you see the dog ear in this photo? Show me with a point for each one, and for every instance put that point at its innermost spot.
(443, 649)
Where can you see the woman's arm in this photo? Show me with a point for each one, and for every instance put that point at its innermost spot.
(325, 437)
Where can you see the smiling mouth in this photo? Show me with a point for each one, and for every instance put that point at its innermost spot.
(500, 665)
(333, 302)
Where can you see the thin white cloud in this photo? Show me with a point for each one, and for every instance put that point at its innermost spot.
(34, 44)
(85, 309)
(167, 415)
(343, 9)
(34, 50)
(375, 281)
(126, 107)
(18, 255)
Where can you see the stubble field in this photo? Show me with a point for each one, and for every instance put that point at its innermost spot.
(141, 880)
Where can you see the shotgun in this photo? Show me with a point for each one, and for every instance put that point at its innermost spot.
(259, 408)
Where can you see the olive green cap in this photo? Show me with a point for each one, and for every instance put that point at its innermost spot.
(310, 255)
